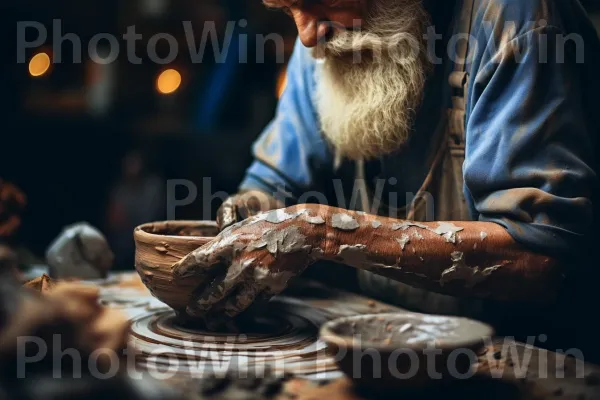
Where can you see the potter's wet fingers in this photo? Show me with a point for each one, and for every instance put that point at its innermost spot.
(227, 214)
(187, 267)
(244, 298)
(200, 263)
(215, 293)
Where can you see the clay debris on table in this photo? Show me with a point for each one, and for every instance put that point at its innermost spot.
(70, 312)
(42, 284)
(239, 385)
(75, 305)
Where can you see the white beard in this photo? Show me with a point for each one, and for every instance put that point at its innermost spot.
(366, 107)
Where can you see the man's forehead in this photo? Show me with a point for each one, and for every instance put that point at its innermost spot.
(290, 3)
(275, 3)
(280, 3)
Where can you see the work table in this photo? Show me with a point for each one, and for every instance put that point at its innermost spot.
(531, 373)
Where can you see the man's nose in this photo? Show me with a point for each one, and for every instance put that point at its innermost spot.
(311, 29)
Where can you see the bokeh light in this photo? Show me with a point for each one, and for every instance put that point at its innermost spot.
(168, 81)
(39, 64)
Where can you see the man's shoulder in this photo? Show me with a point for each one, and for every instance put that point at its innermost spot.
(525, 9)
(525, 15)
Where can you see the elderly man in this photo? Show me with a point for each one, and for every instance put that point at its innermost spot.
(387, 105)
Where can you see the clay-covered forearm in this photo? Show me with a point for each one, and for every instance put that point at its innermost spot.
(458, 258)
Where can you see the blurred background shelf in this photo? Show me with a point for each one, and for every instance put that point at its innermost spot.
(96, 142)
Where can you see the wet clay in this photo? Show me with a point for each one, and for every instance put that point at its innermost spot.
(390, 335)
(411, 330)
(159, 246)
(248, 323)
(174, 228)
(285, 338)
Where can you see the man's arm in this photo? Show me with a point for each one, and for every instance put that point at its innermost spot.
(527, 174)
(478, 259)
(530, 141)
(255, 259)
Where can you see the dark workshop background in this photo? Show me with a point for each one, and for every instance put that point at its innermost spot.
(99, 142)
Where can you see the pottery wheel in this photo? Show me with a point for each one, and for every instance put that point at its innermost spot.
(285, 340)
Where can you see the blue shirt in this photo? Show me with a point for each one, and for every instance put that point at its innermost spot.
(531, 125)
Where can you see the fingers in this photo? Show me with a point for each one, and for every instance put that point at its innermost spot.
(214, 294)
(253, 203)
(201, 262)
(222, 287)
(227, 215)
(238, 286)
(241, 299)
(237, 208)
(245, 205)
(246, 295)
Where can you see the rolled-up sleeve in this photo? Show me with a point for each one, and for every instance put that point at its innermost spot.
(291, 150)
(529, 144)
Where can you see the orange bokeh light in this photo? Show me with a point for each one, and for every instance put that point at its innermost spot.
(168, 81)
(39, 64)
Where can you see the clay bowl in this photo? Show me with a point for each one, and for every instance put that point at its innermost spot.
(390, 351)
(158, 246)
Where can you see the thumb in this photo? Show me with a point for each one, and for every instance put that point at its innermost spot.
(201, 262)
(227, 214)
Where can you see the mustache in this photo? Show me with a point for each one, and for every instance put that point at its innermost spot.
(393, 30)
(400, 47)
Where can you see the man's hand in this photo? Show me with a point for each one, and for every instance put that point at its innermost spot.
(252, 260)
(244, 205)
(69, 310)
